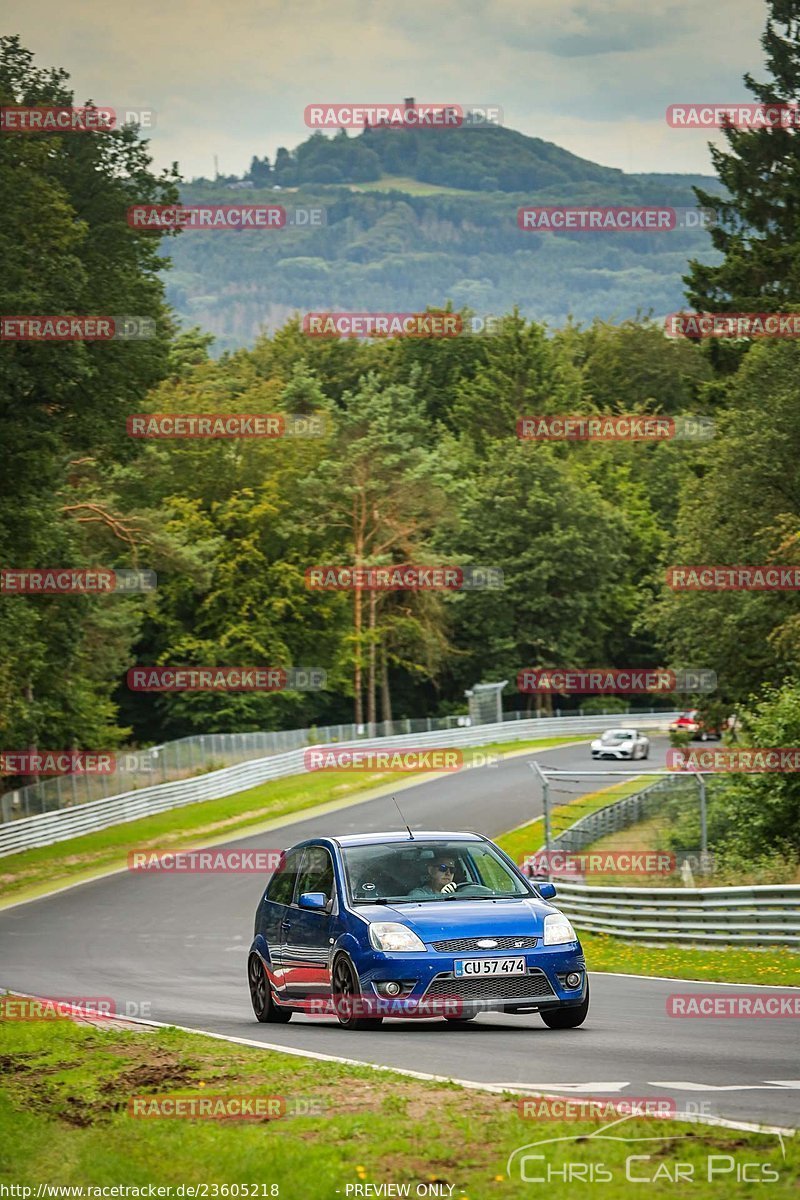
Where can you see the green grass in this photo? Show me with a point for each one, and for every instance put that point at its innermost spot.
(733, 964)
(34, 872)
(64, 1121)
(414, 187)
(527, 839)
(653, 834)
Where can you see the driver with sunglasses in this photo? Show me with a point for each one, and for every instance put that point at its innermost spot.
(441, 872)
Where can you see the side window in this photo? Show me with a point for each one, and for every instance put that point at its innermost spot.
(316, 874)
(281, 886)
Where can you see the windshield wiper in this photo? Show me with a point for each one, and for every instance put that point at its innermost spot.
(511, 896)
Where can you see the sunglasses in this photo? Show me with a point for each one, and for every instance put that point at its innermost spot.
(444, 867)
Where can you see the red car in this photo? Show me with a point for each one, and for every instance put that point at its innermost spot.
(689, 722)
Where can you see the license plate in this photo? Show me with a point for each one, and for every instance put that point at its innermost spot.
(491, 966)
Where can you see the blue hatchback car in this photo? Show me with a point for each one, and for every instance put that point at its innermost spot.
(407, 925)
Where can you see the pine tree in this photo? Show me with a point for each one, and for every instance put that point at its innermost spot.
(758, 222)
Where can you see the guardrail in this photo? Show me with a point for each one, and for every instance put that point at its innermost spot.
(188, 756)
(762, 915)
(759, 915)
(618, 815)
(44, 829)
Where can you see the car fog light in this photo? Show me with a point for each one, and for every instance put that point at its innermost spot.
(392, 989)
(573, 980)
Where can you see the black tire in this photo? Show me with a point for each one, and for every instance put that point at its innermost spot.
(261, 997)
(345, 987)
(646, 753)
(567, 1018)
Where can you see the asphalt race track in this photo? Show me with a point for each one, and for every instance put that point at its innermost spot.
(178, 944)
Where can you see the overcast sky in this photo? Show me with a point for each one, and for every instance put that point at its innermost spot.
(233, 79)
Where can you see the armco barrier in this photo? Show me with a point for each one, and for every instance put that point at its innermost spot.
(185, 757)
(46, 828)
(762, 915)
(618, 815)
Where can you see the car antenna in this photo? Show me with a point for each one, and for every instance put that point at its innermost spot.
(402, 818)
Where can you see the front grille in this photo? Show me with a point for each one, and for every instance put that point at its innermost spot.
(460, 945)
(533, 986)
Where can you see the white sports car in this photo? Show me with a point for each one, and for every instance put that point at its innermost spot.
(621, 743)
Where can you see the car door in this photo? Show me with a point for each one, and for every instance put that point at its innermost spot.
(307, 934)
(275, 908)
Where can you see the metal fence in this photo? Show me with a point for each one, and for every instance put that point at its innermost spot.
(43, 829)
(190, 756)
(759, 915)
(621, 814)
(184, 758)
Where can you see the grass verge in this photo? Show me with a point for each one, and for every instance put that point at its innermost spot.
(735, 964)
(652, 834)
(35, 872)
(66, 1089)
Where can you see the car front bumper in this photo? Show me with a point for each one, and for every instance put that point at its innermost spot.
(431, 987)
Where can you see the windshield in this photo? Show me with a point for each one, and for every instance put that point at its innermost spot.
(424, 870)
(617, 735)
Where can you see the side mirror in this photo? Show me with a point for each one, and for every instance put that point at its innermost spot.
(314, 901)
(546, 890)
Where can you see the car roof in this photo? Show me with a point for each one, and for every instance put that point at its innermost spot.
(419, 835)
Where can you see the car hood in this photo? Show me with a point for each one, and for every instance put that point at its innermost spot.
(434, 920)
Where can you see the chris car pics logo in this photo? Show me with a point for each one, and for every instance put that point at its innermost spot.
(607, 1156)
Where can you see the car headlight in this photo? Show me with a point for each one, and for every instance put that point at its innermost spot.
(393, 937)
(557, 930)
